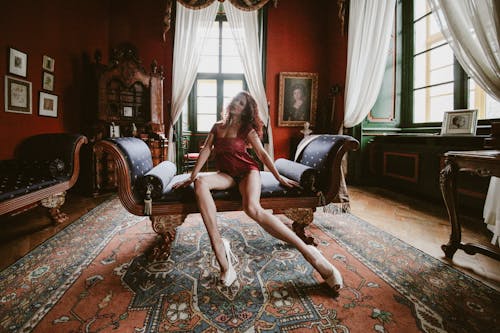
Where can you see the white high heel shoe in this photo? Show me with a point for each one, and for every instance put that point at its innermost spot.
(334, 279)
(231, 272)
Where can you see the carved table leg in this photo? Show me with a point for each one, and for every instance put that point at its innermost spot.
(54, 203)
(301, 218)
(447, 181)
(165, 226)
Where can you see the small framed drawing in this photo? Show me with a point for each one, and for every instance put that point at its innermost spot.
(47, 105)
(297, 98)
(48, 63)
(18, 62)
(17, 95)
(48, 81)
(127, 111)
(459, 122)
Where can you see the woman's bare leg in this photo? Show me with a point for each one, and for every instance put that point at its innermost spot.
(250, 188)
(203, 184)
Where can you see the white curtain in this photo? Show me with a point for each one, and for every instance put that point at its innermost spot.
(245, 28)
(472, 29)
(191, 30)
(370, 28)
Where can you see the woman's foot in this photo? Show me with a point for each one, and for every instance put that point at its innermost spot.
(228, 277)
(333, 278)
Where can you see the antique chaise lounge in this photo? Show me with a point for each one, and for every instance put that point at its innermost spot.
(43, 168)
(144, 190)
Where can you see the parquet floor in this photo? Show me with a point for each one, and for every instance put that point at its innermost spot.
(422, 224)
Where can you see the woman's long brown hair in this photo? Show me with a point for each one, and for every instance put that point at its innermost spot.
(249, 117)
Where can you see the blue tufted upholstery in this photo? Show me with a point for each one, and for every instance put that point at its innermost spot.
(318, 154)
(138, 157)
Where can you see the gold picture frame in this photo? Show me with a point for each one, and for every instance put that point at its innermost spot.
(298, 94)
(17, 95)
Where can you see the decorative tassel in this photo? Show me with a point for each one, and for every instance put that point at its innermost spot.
(148, 203)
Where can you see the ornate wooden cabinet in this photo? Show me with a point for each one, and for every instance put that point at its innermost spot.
(130, 104)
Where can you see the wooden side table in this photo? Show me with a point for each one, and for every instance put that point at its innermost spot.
(479, 162)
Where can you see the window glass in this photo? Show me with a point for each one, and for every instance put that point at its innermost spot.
(205, 122)
(420, 8)
(231, 88)
(432, 67)
(430, 103)
(487, 106)
(232, 65)
(207, 87)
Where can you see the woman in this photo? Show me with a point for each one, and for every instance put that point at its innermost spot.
(228, 138)
(298, 108)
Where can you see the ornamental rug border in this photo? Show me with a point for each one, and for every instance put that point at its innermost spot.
(47, 275)
(441, 281)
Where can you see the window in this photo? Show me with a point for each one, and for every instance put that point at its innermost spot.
(220, 76)
(439, 83)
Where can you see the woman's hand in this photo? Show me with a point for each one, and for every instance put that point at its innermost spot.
(288, 182)
(183, 184)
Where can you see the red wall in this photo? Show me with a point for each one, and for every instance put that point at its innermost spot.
(63, 30)
(299, 40)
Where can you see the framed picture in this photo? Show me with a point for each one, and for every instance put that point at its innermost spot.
(17, 95)
(297, 98)
(48, 63)
(48, 81)
(18, 62)
(47, 105)
(128, 111)
(459, 122)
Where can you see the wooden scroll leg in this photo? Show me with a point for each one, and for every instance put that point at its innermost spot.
(54, 203)
(301, 218)
(447, 182)
(165, 226)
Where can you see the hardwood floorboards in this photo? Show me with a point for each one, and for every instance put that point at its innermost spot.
(422, 224)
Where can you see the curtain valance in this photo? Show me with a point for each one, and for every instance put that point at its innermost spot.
(240, 4)
(246, 5)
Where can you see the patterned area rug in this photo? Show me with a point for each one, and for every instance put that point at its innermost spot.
(97, 276)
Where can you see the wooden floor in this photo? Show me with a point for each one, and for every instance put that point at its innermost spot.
(422, 224)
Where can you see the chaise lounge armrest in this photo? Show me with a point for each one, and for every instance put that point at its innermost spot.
(44, 165)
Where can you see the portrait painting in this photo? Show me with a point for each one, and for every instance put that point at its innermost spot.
(459, 122)
(297, 98)
(48, 81)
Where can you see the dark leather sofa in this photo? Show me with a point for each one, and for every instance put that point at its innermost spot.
(144, 190)
(44, 167)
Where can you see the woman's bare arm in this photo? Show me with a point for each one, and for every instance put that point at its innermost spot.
(262, 154)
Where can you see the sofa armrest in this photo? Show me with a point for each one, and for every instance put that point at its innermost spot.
(301, 173)
(156, 179)
(52, 147)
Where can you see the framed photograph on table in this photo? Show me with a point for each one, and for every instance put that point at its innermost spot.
(48, 63)
(48, 81)
(18, 62)
(47, 105)
(17, 95)
(459, 122)
(297, 98)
